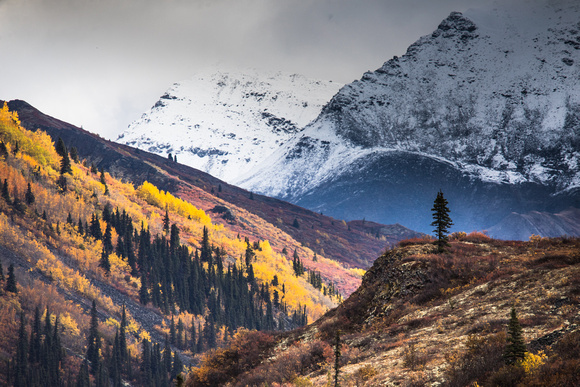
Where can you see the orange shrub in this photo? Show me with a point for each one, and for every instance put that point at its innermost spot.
(477, 237)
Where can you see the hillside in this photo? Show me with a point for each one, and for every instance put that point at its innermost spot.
(127, 279)
(448, 114)
(422, 318)
(331, 237)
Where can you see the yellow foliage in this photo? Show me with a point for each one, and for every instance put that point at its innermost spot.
(144, 335)
(357, 272)
(37, 145)
(161, 199)
(531, 362)
(69, 324)
(299, 292)
(111, 322)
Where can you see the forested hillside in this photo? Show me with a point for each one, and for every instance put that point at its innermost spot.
(103, 280)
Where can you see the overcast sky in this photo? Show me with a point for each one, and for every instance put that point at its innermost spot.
(101, 63)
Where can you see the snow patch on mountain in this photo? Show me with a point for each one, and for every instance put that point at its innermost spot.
(496, 93)
(225, 123)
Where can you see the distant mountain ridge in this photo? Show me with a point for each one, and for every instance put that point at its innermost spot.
(486, 108)
(225, 122)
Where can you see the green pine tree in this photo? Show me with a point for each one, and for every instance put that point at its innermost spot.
(5, 193)
(108, 239)
(21, 366)
(104, 262)
(336, 358)
(11, 280)
(94, 341)
(83, 377)
(29, 196)
(166, 220)
(60, 147)
(441, 220)
(74, 155)
(65, 166)
(515, 349)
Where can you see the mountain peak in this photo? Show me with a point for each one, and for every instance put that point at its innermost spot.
(226, 122)
(486, 98)
(456, 22)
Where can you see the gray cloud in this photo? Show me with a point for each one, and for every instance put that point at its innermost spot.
(101, 63)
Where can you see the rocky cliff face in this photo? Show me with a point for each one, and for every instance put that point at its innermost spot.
(489, 102)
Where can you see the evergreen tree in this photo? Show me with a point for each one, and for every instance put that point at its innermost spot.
(35, 342)
(3, 149)
(515, 349)
(180, 332)
(65, 166)
(80, 227)
(143, 290)
(108, 239)
(11, 280)
(83, 377)
(205, 246)
(167, 359)
(295, 224)
(177, 366)
(5, 193)
(74, 155)
(29, 196)
(60, 147)
(166, 220)
(104, 262)
(94, 341)
(1, 272)
(123, 351)
(336, 358)
(172, 332)
(102, 177)
(441, 220)
(249, 254)
(21, 363)
(146, 366)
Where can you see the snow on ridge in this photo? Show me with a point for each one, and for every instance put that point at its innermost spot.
(225, 122)
(494, 92)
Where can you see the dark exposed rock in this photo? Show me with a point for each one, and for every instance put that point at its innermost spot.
(225, 212)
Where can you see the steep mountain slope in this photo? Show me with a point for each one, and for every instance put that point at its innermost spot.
(318, 233)
(226, 123)
(487, 107)
(424, 319)
(150, 267)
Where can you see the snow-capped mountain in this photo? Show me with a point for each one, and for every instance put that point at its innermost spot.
(487, 108)
(226, 123)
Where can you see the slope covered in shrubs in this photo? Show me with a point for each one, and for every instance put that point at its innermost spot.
(422, 318)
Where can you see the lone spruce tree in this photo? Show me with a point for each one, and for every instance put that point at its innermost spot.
(337, 355)
(515, 349)
(441, 220)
